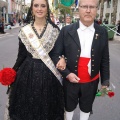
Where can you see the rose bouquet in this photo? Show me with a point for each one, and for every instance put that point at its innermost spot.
(105, 91)
(7, 76)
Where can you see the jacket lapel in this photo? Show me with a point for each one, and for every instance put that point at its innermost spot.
(74, 34)
(96, 37)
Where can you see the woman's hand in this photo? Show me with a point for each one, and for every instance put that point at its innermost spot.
(61, 65)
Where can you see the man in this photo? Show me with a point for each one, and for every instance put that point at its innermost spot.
(85, 45)
(2, 25)
(68, 20)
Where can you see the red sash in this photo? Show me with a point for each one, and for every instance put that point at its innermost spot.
(83, 70)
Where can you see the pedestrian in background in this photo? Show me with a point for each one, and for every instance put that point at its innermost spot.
(118, 28)
(19, 21)
(68, 20)
(37, 92)
(2, 26)
(85, 46)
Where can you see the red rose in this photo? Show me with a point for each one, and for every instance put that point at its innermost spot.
(0, 76)
(105, 91)
(7, 76)
(111, 94)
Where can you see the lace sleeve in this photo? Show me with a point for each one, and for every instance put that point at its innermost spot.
(22, 53)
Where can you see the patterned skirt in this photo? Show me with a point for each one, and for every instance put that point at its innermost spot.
(36, 93)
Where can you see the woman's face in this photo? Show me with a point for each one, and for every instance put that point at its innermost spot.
(39, 8)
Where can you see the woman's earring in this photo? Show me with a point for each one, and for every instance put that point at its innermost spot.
(47, 16)
(33, 17)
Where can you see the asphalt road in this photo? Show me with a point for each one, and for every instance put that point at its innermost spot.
(104, 108)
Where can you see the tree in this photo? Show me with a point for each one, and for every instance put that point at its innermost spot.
(64, 10)
(115, 2)
(102, 8)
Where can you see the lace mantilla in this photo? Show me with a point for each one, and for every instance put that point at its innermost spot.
(48, 40)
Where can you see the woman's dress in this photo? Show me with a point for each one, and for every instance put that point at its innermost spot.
(36, 93)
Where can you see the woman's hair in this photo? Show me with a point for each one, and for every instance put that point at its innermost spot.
(29, 17)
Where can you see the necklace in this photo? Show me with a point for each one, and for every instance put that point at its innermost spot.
(41, 30)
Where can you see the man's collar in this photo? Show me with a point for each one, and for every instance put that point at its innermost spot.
(67, 23)
(83, 27)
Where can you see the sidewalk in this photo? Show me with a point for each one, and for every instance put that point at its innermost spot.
(12, 27)
(116, 37)
(17, 25)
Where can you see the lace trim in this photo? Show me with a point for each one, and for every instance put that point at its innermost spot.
(6, 115)
(48, 40)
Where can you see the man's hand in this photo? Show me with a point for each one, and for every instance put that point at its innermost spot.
(102, 87)
(73, 78)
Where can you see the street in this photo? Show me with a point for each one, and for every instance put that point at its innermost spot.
(104, 108)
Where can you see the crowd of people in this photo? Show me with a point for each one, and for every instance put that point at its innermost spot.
(64, 22)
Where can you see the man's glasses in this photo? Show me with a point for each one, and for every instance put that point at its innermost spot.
(85, 7)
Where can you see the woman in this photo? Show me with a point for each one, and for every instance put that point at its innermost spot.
(37, 92)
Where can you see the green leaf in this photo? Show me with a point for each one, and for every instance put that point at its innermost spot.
(98, 94)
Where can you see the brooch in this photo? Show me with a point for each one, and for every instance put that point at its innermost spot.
(31, 35)
(96, 36)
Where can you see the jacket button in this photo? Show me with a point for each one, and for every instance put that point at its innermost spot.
(92, 55)
(75, 70)
(92, 49)
(92, 70)
(92, 65)
(76, 61)
(77, 55)
(75, 66)
(78, 50)
(92, 60)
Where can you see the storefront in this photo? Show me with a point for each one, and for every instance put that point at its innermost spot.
(3, 10)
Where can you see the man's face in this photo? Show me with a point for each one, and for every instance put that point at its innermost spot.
(87, 11)
(68, 20)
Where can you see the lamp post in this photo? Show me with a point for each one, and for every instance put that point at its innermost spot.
(21, 9)
(7, 12)
(24, 9)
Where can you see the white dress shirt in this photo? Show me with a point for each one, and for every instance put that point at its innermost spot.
(86, 35)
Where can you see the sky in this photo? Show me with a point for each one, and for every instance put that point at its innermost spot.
(27, 1)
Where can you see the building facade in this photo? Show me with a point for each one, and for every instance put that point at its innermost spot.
(108, 11)
(12, 10)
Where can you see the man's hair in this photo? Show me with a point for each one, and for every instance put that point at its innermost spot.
(96, 0)
(68, 15)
